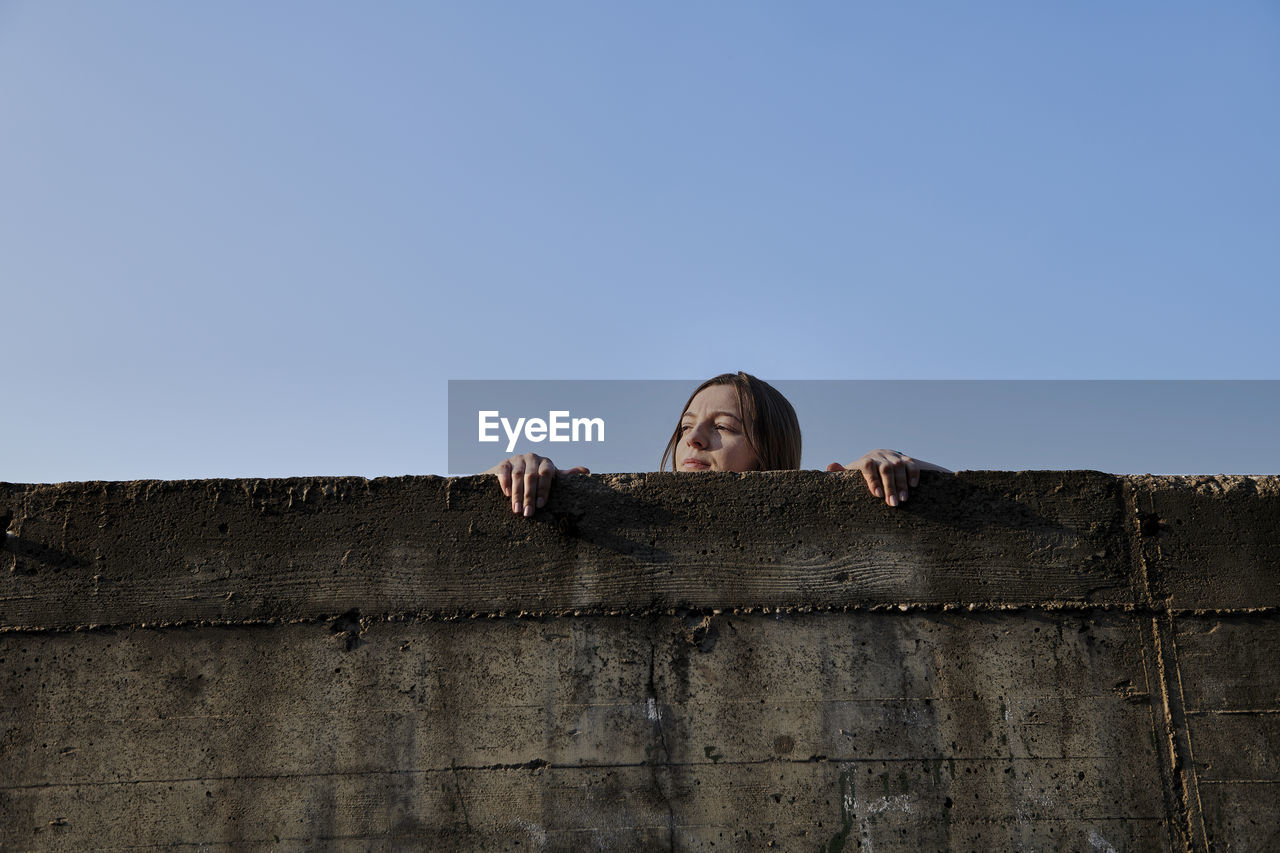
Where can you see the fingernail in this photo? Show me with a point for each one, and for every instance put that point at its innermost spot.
(902, 495)
(515, 506)
(528, 510)
(893, 501)
(542, 502)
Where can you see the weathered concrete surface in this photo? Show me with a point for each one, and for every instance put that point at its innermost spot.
(1212, 542)
(931, 729)
(235, 551)
(1009, 661)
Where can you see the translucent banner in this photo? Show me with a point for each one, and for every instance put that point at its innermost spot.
(1118, 426)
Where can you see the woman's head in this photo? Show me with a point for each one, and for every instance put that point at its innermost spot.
(735, 422)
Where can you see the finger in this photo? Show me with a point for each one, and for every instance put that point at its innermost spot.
(872, 476)
(577, 470)
(913, 471)
(530, 488)
(835, 466)
(517, 485)
(504, 478)
(900, 477)
(886, 480)
(546, 473)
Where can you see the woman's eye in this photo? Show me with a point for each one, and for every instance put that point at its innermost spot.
(724, 427)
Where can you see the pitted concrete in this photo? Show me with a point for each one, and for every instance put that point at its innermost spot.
(1043, 660)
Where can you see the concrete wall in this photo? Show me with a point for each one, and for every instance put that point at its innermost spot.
(1041, 661)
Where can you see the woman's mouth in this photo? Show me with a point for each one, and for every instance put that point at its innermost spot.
(694, 464)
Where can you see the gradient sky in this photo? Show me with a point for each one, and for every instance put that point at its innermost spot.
(248, 239)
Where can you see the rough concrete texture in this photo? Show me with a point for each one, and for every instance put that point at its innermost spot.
(1048, 660)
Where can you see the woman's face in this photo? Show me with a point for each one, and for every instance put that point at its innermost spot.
(712, 437)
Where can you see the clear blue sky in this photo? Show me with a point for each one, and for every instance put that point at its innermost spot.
(245, 238)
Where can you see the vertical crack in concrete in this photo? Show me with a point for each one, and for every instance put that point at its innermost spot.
(654, 710)
(1177, 709)
(1177, 764)
(457, 787)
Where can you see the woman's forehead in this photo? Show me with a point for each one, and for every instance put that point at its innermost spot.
(715, 400)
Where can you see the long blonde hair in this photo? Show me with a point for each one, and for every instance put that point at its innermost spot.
(768, 419)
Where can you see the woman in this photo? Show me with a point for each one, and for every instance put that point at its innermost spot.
(732, 422)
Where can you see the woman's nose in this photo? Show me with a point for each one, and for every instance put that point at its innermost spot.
(696, 437)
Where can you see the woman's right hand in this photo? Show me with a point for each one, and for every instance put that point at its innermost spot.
(526, 479)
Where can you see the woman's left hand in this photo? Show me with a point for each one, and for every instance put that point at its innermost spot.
(889, 473)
